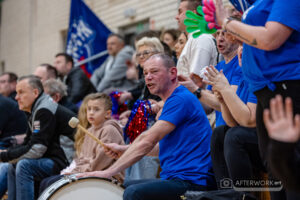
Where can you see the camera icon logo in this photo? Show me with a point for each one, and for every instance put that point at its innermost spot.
(226, 183)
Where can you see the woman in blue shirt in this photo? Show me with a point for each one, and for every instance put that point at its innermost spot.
(270, 32)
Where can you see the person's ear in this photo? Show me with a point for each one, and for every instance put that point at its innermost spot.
(173, 72)
(69, 66)
(56, 97)
(35, 92)
(107, 114)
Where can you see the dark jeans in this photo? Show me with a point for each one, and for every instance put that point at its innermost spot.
(234, 153)
(157, 189)
(285, 89)
(21, 177)
(3, 178)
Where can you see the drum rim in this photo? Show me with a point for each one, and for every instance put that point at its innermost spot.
(107, 179)
(83, 178)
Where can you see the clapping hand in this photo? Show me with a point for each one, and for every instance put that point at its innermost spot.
(216, 79)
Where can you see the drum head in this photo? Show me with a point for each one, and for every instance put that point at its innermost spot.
(90, 188)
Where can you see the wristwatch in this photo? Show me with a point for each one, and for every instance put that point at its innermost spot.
(198, 93)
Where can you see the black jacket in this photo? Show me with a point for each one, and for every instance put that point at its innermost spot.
(47, 121)
(79, 85)
(12, 120)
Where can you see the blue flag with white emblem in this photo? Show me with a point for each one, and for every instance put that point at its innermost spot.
(242, 5)
(87, 36)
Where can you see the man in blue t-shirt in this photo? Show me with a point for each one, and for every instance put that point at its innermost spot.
(183, 133)
(231, 70)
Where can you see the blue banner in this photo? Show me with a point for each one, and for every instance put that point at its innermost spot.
(87, 36)
(242, 5)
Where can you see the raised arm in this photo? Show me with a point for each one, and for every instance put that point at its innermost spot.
(268, 37)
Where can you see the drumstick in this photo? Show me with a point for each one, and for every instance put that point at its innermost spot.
(74, 122)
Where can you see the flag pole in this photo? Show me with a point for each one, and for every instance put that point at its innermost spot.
(94, 57)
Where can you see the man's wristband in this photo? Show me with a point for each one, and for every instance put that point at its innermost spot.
(198, 93)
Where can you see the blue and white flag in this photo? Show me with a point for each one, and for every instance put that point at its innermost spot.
(87, 36)
(242, 5)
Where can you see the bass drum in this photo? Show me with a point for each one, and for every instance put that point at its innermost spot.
(88, 188)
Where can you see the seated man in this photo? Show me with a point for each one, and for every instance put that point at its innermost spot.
(182, 132)
(79, 85)
(40, 155)
(112, 73)
(45, 72)
(228, 48)
(8, 81)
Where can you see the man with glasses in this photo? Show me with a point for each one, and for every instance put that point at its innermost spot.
(112, 73)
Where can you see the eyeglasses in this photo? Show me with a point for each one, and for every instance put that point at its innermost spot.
(144, 53)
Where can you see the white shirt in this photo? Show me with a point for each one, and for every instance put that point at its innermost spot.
(197, 54)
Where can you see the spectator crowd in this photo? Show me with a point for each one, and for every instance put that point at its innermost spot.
(220, 107)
